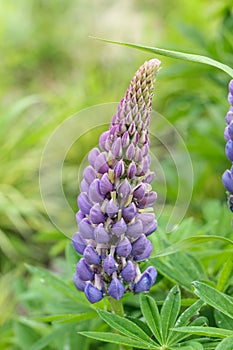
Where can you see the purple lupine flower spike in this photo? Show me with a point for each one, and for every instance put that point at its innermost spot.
(227, 177)
(115, 204)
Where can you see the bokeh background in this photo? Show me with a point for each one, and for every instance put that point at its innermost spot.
(50, 69)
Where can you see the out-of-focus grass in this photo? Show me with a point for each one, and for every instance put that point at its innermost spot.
(50, 69)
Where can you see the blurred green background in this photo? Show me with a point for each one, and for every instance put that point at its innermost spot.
(50, 69)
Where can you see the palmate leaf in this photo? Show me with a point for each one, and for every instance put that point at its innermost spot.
(175, 54)
(213, 297)
(119, 339)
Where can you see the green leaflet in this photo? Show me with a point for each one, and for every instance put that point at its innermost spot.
(206, 331)
(68, 318)
(170, 311)
(151, 314)
(175, 54)
(213, 297)
(124, 326)
(119, 339)
(225, 344)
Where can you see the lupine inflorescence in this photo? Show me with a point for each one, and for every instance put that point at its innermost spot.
(227, 177)
(115, 204)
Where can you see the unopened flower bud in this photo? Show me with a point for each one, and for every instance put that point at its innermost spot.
(96, 215)
(79, 243)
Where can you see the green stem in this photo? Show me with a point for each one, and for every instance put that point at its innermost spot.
(118, 308)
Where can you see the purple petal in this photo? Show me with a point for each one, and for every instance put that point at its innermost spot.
(79, 216)
(132, 169)
(124, 248)
(86, 229)
(149, 178)
(134, 230)
(226, 134)
(148, 200)
(230, 130)
(116, 148)
(119, 228)
(139, 191)
(230, 98)
(139, 245)
(148, 222)
(93, 154)
(104, 141)
(111, 208)
(89, 174)
(96, 215)
(129, 212)
(116, 289)
(84, 186)
(79, 284)
(84, 203)
(138, 155)
(79, 243)
(146, 254)
(110, 265)
(227, 180)
(101, 164)
(92, 293)
(84, 271)
(105, 184)
(229, 150)
(94, 192)
(146, 281)
(101, 235)
(125, 139)
(124, 189)
(129, 272)
(91, 256)
(119, 169)
(229, 117)
(130, 152)
(230, 86)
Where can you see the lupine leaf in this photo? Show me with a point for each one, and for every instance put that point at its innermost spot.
(124, 326)
(213, 297)
(151, 314)
(169, 311)
(206, 331)
(119, 339)
(226, 344)
(175, 54)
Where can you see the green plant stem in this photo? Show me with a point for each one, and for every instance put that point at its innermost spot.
(118, 308)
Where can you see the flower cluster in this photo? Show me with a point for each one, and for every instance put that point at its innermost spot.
(115, 204)
(227, 177)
